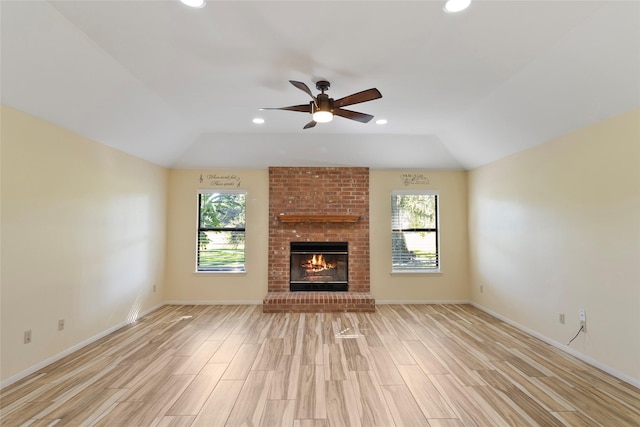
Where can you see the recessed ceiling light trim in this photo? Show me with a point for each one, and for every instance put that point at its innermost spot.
(193, 3)
(454, 6)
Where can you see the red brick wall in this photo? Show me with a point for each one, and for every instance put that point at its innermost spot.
(318, 190)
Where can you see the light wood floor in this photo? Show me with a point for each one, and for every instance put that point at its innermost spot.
(405, 365)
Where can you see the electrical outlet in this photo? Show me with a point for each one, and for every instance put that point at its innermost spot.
(154, 288)
(561, 318)
(583, 320)
(27, 336)
(61, 324)
(481, 288)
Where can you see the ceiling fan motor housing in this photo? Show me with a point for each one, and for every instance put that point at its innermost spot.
(324, 103)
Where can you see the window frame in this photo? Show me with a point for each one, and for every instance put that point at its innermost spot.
(438, 248)
(213, 270)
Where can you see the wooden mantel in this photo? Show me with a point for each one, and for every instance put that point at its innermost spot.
(287, 218)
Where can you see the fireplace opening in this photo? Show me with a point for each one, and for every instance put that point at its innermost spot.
(319, 266)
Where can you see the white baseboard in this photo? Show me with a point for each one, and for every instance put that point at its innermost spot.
(52, 359)
(626, 378)
(244, 302)
(413, 301)
(254, 302)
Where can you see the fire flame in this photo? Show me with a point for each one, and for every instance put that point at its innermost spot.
(317, 263)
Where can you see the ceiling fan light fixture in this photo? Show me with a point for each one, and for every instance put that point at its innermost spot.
(453, 6)
(321, 116)
(193, 3)
(322, 107)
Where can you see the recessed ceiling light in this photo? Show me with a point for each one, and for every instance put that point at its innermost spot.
(381, 121)
(453, 6)
(193, 3)
(258, 120)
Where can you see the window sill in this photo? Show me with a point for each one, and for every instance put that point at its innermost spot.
(417, 273)
(231, 273)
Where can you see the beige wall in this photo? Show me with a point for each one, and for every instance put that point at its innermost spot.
(183, 284)
(83, 239)
(557, 228)
(452, 284)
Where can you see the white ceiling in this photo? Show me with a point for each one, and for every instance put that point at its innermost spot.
(179, 87)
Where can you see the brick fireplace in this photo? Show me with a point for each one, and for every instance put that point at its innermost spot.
(318, 204)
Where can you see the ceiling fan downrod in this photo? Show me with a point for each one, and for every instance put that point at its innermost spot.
(323, 86)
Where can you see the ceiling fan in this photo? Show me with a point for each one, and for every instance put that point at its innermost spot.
(322, 108)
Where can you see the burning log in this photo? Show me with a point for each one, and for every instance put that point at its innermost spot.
(316, 264)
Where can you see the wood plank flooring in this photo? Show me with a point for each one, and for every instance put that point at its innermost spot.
(405, 365)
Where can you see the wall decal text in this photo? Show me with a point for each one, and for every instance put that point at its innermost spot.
(221, 181)
(413, 179)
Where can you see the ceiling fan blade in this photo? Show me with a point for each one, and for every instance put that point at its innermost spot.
(311, 124)
(304, 108)
(303, 87)
(356, 98)
(353, 115)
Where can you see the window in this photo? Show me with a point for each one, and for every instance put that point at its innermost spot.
(221, 230)
(414, 231)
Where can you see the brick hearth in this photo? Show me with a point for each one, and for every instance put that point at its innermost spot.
(318, 302)
(314, 198)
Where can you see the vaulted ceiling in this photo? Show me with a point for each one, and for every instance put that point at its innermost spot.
(179, 87)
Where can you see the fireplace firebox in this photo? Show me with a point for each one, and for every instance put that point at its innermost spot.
(319, 266)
